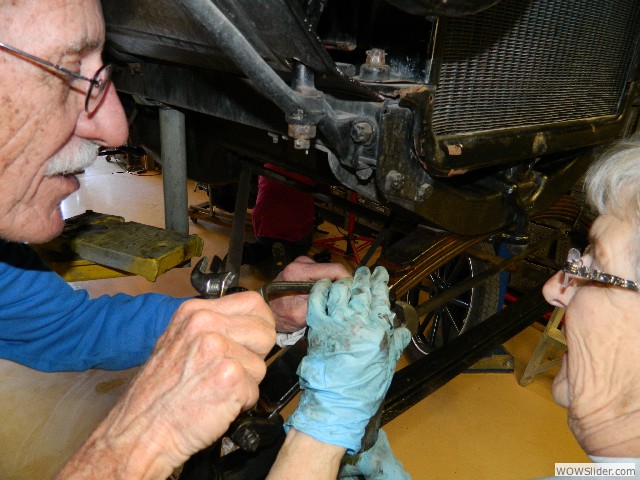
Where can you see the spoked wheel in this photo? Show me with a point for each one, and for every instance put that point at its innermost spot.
(454, 318)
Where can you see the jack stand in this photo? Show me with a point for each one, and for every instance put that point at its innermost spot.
(550, 349)
(354, 243)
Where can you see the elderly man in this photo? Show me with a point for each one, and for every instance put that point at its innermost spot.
(599, 380)
(206, 358)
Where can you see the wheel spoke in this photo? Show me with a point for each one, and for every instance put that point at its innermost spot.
(458, 302)
(457, 315)
(433, 333)
(452, 320)
(424, 324)
(454, 274)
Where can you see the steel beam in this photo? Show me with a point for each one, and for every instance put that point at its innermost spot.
(174, 170)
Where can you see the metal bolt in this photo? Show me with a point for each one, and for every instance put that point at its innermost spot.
(424, 192)
(394, 181)
(301, 144)
(361, 132)
(301, 135)
(364, 173)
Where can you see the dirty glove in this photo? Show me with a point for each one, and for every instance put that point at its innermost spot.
(377, 463)
(353, 351)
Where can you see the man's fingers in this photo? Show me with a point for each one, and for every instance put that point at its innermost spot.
(252, 327)
(304, 269)
(240, 303)
(213, 345)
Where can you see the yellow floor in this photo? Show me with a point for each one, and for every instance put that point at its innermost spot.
(478, 426)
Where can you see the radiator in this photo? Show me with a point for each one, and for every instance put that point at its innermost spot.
(535, 63)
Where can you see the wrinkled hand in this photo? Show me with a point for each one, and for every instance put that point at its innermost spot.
(204, 371)
(377, 463)
(290, 309)
(353, 351)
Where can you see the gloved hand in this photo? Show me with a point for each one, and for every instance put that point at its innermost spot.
(353, 351)
(377, 463)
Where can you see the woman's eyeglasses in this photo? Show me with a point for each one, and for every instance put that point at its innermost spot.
(574, 268)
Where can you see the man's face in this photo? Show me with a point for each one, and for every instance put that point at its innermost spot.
(44, 126)
(598, 380)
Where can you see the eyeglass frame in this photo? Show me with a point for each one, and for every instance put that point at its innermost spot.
(93, 82)
(577, 268)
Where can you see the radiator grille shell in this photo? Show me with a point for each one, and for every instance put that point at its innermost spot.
(535, 63)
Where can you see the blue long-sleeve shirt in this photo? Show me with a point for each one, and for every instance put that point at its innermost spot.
(47, 325)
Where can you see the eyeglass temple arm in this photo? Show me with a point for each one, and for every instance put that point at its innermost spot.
(42, 61)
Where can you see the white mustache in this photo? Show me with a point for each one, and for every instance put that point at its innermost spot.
(73, 157)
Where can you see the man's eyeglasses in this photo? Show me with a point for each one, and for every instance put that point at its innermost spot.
(575, 268)
(97, 84)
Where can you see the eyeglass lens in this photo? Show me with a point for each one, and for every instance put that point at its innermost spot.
(97, 88)
(573, 257)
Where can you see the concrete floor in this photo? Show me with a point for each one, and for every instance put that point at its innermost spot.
(478, 426)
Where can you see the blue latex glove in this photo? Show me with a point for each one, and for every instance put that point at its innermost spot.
(377, 463)
(353, 351)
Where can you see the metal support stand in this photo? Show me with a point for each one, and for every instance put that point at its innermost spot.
(354, 243)
(236, 240)
(500, 361)
(174, 169)
(552, 340)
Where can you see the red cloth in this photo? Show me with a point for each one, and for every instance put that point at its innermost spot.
(281, 211)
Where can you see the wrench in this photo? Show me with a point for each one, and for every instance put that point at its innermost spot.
(212, 284)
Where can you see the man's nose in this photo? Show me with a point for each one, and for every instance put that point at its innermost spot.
(556, 293)
(107, 125)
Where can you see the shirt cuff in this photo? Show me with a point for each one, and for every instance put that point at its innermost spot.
(286, 339)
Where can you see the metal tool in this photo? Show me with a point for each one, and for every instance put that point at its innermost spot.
(211, 284)
(272, 288)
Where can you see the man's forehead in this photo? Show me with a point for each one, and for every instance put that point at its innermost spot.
(68, 26)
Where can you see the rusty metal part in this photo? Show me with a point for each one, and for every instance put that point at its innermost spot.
(212, 284)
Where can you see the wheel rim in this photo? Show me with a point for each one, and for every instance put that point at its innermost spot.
(442, 325)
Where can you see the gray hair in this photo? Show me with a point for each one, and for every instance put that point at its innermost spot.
(613, 181)
(612, 186)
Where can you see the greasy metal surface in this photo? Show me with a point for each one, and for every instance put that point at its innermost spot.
(159, 29)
